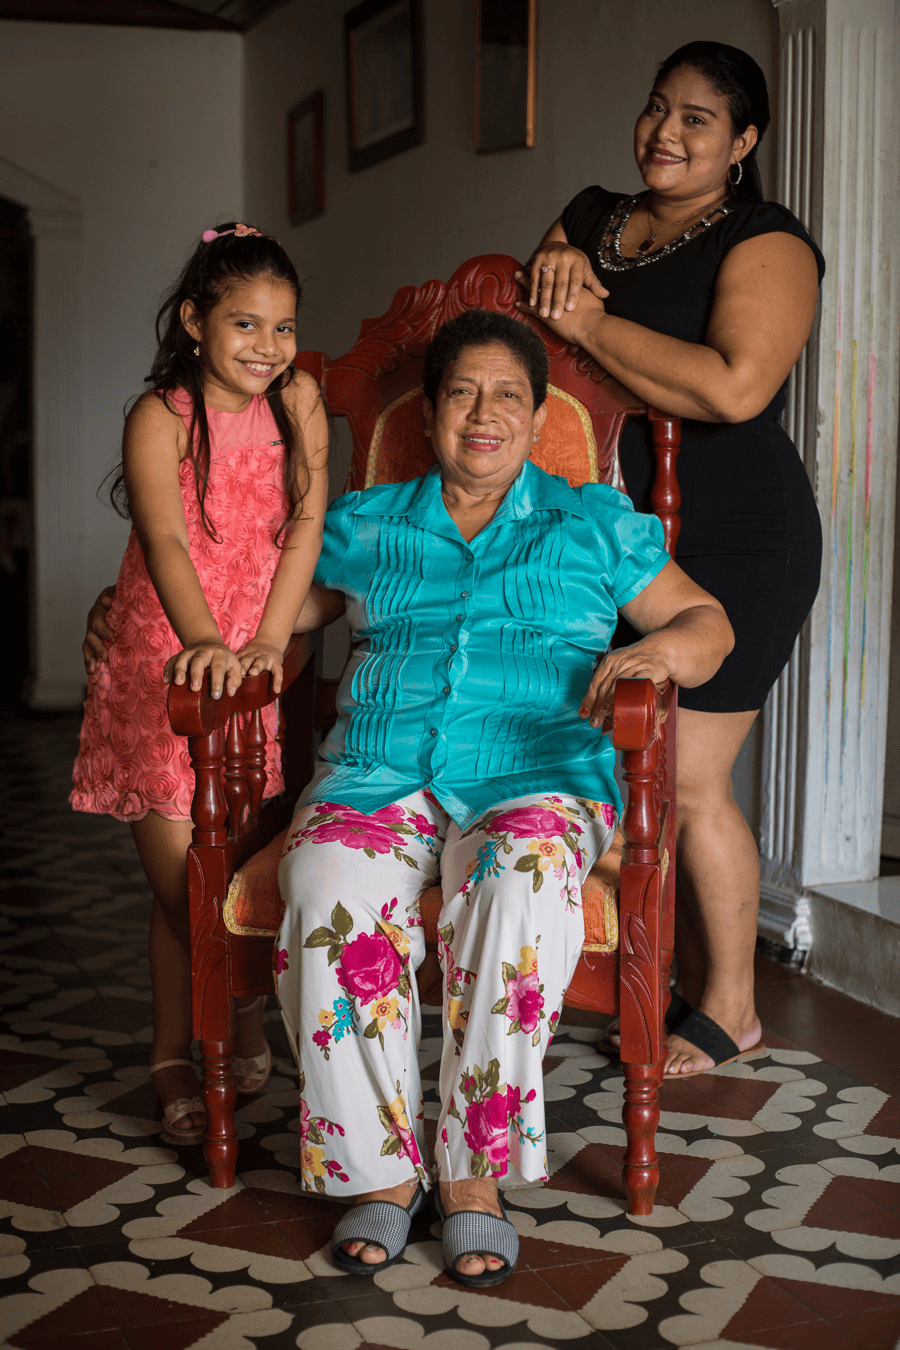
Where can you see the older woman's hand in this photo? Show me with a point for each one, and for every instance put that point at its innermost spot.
(555, 276)
(643, 660)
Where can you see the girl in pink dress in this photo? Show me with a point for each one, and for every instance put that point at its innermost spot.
(224, 474)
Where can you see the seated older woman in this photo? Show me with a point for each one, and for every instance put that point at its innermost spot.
(468, 744)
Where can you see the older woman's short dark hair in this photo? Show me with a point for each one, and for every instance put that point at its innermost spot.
(480, 328)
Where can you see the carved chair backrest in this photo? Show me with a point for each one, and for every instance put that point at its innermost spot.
(377, 387)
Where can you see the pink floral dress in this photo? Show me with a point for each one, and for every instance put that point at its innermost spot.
(129, 760)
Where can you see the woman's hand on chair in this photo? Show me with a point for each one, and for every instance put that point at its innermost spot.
(554, 277)
(646, 659)
(99, 634)
(190, 663)
(573, 325)
(258, 655)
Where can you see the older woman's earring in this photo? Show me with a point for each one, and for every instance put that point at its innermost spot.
(740, 173)
(537, 440)
(197, 349)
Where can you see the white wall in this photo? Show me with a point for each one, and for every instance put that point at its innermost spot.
(144, 127)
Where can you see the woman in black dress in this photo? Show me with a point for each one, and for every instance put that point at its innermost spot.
(700, 296)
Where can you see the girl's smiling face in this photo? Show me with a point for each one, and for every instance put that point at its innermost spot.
(684, 140)
(246, 340)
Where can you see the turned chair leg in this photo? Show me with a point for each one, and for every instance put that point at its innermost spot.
(219, 1096)
(640, 1116)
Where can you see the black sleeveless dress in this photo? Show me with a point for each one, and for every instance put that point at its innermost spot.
(750, 530)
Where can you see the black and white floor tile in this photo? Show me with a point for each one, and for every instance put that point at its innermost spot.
(777, 1223)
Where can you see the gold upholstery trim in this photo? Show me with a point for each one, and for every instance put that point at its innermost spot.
(231, 923)
(585, 420)
(611, 924)
(378, 433)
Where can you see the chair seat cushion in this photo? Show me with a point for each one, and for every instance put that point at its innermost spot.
(253, 906)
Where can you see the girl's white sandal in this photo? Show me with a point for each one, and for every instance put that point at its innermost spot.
(181, 1107)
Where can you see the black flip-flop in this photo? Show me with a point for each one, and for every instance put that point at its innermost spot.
(378, 1223)
(677, 1011)
(708, 1037)
(471, 1232)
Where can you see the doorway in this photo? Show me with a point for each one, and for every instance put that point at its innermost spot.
(16, 505)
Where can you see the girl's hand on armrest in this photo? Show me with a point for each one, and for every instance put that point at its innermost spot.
(258, 655)
(189, 664)
(98, 635)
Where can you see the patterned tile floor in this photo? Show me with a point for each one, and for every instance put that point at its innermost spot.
(777, 1225)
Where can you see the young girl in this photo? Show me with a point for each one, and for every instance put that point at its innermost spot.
(225, 467)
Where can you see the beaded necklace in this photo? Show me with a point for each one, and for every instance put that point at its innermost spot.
(609, 250)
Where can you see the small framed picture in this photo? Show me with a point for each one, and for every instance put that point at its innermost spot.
(306, 159)
(506, 75)
(383, 40)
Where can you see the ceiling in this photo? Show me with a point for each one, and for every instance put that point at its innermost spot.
(233, 16)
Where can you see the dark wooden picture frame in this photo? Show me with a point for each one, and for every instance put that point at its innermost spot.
(506, 75)
(383, 47)
(306, 158)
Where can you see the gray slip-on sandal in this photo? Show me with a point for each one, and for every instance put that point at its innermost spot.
(470, 1232)
(379, 1223)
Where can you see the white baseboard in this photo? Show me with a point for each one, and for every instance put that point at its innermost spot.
(785, 918)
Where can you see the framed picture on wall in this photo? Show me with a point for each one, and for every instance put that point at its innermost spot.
(506, 73)
(383, 40)
(306, 158)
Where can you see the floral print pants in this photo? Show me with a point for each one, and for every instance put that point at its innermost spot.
(510, 934)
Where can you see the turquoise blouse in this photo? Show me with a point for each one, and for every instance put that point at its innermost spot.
(470, 660)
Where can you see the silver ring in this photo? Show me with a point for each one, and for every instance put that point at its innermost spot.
(548, 269)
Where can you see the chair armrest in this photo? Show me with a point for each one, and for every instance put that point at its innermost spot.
(638, 710)
(194, 712)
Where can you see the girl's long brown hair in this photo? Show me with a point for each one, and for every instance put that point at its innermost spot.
(205, 280)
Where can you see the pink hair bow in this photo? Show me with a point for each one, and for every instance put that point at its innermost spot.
(242, 232)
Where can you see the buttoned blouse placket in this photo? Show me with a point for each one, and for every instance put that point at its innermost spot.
(434, 752)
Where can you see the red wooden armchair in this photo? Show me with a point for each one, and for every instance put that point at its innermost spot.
(235, 908)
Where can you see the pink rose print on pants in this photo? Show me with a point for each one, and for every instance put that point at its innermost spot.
(488, 1131)
(523, 999)
(380, 832)
(369, 968)
(525, 821)
(492, 1111)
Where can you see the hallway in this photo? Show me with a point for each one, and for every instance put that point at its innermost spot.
(777, 1224)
